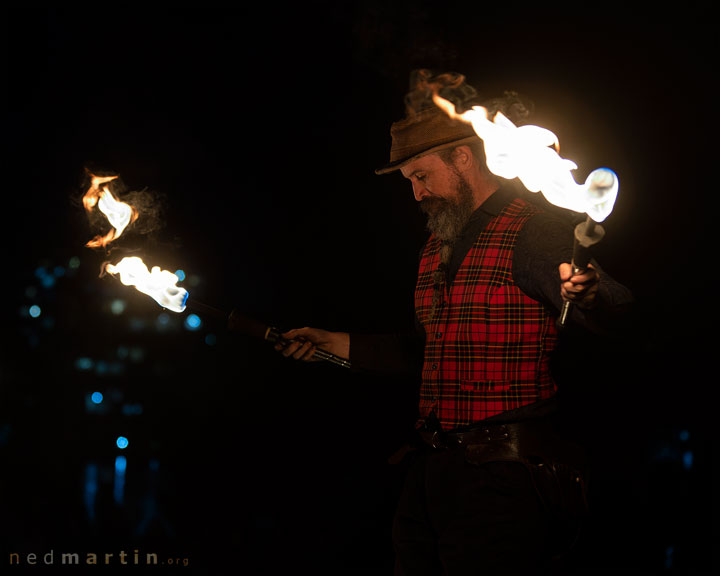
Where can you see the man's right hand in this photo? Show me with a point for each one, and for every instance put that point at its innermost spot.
(304, 341)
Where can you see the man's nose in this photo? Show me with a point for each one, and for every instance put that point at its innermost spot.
(419, 191)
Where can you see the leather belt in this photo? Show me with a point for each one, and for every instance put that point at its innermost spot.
(501, 441)
(508, 432)
(527, 440)
(482, 435)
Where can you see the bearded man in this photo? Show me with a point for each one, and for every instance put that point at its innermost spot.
(494, 489)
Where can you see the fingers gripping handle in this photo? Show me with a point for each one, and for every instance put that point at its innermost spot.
(272, 334)
(240, 323)
(587, 234)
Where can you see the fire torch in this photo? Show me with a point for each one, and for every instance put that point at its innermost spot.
(161, 285)
(601, 184)
(529, 154)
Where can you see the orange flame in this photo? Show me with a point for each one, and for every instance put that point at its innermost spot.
(530, 153)
(119, 214)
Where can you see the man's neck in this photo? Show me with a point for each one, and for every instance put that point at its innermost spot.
(483, 188)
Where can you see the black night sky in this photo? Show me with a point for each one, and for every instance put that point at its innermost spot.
(255, 132)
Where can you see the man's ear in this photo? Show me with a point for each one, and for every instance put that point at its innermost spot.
(462, 158)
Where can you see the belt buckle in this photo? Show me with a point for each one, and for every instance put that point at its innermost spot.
(435, 441)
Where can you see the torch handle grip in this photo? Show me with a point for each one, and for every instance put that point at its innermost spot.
(272, 334)
(238, 322)
(587, 234)
(567, 305)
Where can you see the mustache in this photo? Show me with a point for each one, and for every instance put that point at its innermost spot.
(433, 204)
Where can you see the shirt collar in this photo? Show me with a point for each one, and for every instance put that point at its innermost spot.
(496, 202)
(491, 207)
(476, 224)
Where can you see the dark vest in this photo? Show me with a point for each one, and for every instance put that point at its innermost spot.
(487, 344)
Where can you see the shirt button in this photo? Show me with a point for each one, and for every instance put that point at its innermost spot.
(438, 335)
(434, 366)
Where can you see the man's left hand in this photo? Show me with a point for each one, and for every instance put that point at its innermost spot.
(580, 289)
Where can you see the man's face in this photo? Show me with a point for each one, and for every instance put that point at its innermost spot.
(443, 193)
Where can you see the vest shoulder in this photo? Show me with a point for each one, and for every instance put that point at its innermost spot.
(523, 207)
(545, 211)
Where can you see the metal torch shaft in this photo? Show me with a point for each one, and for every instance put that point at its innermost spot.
(587, 234)
(206, 309)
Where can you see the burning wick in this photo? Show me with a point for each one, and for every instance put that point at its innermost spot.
(525, 153)
(160, 285)
(118, 213)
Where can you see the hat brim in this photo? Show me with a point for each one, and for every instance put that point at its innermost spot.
(398, 164)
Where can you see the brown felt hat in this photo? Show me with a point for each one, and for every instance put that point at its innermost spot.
(425, 133)
(427, 129)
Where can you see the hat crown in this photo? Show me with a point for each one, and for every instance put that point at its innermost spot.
(426, 128)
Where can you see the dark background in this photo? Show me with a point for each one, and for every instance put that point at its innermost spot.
(256, 132)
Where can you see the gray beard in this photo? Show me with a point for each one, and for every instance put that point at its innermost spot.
(447, 218)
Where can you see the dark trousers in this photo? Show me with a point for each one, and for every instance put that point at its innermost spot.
(455, 518)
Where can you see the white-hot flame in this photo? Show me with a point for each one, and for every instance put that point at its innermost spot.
(119, 214)
(525, 152)
(161, 285)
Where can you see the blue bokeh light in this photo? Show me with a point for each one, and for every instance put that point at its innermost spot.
(34, 311)
(162, 321)
(193, 322)
(122, 442)
(117, 306)
(91, 489)
(132, 409)
(83, 363)
(119, 484)
(180, 274)
(120, 464)
(687, 460)
(96, 397)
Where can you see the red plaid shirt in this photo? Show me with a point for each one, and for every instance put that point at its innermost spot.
(487, 345)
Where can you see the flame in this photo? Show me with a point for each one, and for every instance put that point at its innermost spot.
(160, 285)
(118, 213)
(525, 153)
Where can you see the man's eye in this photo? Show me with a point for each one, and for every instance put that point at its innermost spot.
(421, 177)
